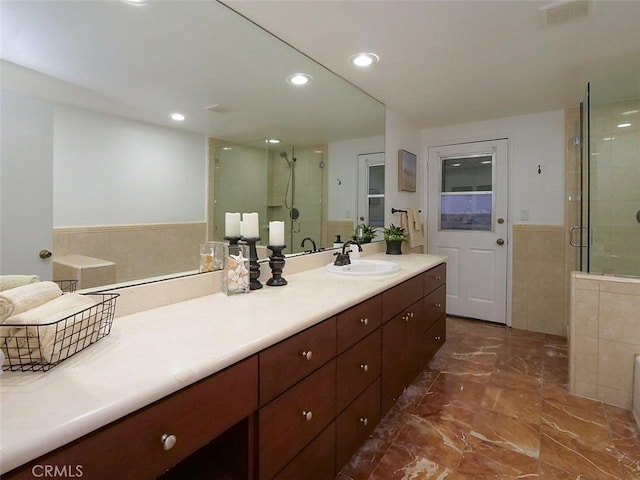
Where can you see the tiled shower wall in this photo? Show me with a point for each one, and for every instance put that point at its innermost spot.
(539, 279)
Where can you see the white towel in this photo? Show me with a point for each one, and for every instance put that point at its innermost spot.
(414, 228)
(52, 341)
(12, 281)
(26, 297)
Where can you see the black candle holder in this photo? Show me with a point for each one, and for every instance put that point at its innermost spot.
(276, 262)
(254, 267)
(233, 242)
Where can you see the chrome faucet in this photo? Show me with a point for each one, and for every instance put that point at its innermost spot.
(315, 248)
(343, 258)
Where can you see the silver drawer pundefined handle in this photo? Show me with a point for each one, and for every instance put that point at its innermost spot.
(364, 367)
(168, 441)
(307, 355)
(437, 337)
(364, 421)
(364, 321)
(307, 415)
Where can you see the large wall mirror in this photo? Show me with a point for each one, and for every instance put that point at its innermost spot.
(95, 171)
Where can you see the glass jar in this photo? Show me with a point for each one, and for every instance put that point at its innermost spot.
(235, 278)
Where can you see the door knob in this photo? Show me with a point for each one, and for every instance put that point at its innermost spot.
(44, 254)
(500, 241)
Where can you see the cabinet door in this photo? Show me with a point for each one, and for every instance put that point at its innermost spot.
(415, 340)
(356, 423)
(435, 277)
(357, 322)
(394, 361)
(357, 368)
(288, 362)
(291, 421)
(316, 461)
(435, 304)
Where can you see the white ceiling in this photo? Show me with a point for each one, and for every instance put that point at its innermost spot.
(449, 62)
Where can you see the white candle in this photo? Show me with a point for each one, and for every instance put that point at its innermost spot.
(276, 233)
(231, 224)
(250, 225)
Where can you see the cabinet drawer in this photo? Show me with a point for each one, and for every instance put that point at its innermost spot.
(131, 448)
(357, 368)
(316, 461)
(288, 362)
(356, 423)
(435, 304)
(394, 361)
(291, 421)
(436, 336)
(401, 296)
(358, 322)
(435, 277)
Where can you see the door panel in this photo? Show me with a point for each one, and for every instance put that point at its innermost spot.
(467, 205)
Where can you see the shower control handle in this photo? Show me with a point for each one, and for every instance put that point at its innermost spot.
(638, 216)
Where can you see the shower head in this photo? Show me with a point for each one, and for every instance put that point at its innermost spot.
(283, 154)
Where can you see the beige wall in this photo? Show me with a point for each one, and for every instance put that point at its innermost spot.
(605, 337)
(139, 251)
(539, 299)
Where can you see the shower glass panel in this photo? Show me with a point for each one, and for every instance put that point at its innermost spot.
(611, 185)
(280, 182)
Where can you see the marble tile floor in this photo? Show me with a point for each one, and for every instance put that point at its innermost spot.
(493, 404)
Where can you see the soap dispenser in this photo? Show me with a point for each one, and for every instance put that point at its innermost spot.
(337, 243)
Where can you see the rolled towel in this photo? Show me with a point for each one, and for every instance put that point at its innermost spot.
(51, 341)
(12, 281)
(20, 299)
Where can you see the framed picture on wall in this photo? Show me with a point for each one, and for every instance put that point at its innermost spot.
(406, 171)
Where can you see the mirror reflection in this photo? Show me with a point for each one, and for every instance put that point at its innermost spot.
(95, 170)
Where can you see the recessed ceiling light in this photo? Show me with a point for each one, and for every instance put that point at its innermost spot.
(624, 125)
(456, 164)
(226, 148)
(299, 79)
(486, 162)
(630, 112)
(137, 3)
(273, 140)
(364, 59)
(609, 138)
(177, 117)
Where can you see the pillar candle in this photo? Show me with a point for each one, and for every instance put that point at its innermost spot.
(231, 224)
(250, 225)
(276, 233)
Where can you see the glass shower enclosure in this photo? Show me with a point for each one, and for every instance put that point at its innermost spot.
(609, 230)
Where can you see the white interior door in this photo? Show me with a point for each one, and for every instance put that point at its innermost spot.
(467, 222)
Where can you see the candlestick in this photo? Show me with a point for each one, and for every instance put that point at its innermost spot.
(232, 224)
(276, 263)
(276, 233)
(254, 268)
(250, 225)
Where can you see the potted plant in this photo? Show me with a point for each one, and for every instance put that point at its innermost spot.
(365, 233)
(394, 236)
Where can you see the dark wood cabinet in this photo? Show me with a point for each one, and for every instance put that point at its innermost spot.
(357, 322)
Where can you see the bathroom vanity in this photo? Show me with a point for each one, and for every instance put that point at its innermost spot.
(283, 383)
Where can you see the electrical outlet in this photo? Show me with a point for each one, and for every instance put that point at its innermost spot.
(524, 215)
(347, 214)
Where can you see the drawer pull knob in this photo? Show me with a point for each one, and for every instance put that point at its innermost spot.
(168, 441)
(307, 415)
(364, 421)
(364, 367)
(307, 355)
(364, 321)
(411, 314)
(437, 337)
(438, 277)
(438, 305)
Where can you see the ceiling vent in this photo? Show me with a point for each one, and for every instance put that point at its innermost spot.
(217, 108)
(564, 11)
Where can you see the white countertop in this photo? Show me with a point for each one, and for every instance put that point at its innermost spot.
(154, 353)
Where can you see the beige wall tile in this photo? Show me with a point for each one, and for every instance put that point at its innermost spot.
(588, 390)
(615, 364)
(619, 317)
(614, 396)
(614, 285)
(587, 284)
(585, 360)
(586, 313)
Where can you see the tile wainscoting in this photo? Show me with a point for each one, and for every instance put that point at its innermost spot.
(604, 337)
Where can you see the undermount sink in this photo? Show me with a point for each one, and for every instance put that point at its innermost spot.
(364, 267)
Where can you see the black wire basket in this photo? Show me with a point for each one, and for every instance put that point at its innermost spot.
(67, 285)
(30, 347)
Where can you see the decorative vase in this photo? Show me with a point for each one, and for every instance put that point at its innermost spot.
(394, 247)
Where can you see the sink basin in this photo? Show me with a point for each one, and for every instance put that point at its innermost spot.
(364, 267)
